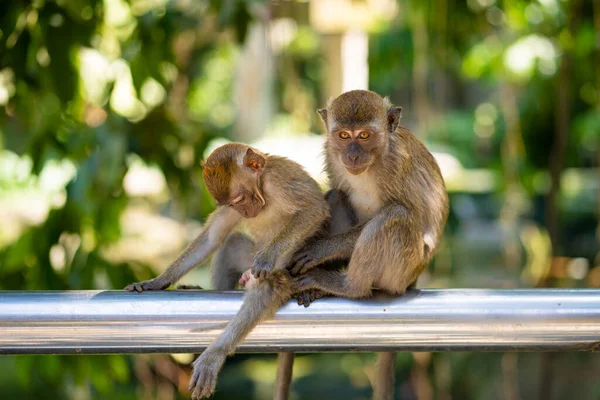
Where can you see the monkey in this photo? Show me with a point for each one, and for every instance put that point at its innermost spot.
(391, 195)
(282, 207)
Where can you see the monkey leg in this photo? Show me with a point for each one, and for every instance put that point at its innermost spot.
(343, 216)
(231, 260)
(260, 302)
(390, 250)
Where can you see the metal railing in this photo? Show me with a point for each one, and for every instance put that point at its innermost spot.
(186, 321)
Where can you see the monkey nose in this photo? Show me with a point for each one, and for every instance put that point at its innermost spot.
(353, 157)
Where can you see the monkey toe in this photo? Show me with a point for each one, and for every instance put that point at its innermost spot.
(203, 383)
(309, 296)
(302, 300)
(134, 287)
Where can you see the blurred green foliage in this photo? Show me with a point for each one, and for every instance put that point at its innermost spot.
(91, 90)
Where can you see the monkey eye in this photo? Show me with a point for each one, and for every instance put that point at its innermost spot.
(344, 135)
(364, 135)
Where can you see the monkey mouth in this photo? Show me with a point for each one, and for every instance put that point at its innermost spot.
(355, 170)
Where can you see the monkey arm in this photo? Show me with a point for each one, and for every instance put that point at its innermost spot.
(334, 247)
(218, 225)
(301, 226)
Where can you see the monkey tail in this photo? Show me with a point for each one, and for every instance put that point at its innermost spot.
(285, 369)
(383, 388)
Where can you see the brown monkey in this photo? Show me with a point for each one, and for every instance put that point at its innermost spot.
(281, 207)
(387, 179)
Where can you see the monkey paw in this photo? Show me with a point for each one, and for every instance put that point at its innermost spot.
(308, 296)
(262, 266)
(204, 375)
(303, 261)
(152, 284)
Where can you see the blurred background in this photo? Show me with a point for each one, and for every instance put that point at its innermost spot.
(108, 107)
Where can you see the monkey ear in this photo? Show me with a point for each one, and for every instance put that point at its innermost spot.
(393, 116)
(323, 113)
(205, 168)
(254, 160)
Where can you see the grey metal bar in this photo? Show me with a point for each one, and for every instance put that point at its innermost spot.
(186, 321)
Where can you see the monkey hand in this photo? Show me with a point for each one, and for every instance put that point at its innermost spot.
(305, 259)
(248, 281)
(204, 375)
(262, 265)
(308, 296)
(152, 284)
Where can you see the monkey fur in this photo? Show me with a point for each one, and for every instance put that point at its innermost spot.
(282, 207)
(388, 191)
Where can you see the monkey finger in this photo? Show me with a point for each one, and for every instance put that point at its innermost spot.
(265, 273)
(306, 267)
(298, 257)
(294, 267)
(301, 267)
(136, 287)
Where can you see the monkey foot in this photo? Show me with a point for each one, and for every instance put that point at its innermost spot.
(248, 281)
(152, 284)
(204, 375)
(189, 287)
(308, 296)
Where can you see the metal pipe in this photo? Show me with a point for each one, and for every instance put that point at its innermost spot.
(186, 321)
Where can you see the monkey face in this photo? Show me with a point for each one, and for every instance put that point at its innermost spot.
(359, 123)
(357, 148)
(249, 203)
(232, 175)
